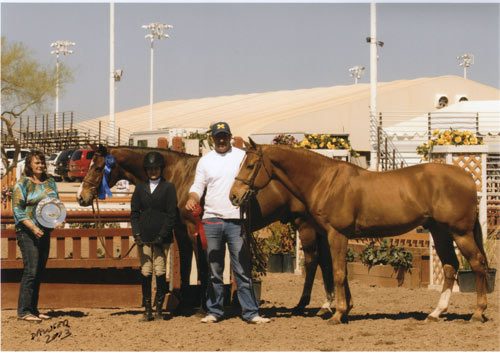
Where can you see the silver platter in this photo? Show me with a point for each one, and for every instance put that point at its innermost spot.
(50, 211)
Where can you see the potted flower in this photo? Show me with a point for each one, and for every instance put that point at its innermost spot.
(326, 142)
(466, 278)
(450, 137)
(280, 247)
(397, 257)
(259, 263)
(284, 139)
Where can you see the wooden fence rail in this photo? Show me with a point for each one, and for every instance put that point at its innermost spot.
(90, 274)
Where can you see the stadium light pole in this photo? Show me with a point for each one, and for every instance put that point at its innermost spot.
(468, 60)
(356, 72)
(156, 31)
(61, 47)
(374, 44)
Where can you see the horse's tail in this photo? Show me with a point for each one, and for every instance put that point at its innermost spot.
(478, 238)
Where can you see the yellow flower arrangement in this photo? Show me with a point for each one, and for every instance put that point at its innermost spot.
(325, 141)
(448, 137)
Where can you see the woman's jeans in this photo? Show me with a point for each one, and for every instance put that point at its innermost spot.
(219, 232)
(35, 253)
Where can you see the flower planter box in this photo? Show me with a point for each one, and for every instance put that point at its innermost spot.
(336, 154)
(289, 263)
(382, 275)
(467, 281)
(275, 263)
(257, 287)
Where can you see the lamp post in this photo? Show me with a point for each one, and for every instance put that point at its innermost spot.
(468, 60)
(61, 47)
(156, 31)
(356, 72)
(374, 44)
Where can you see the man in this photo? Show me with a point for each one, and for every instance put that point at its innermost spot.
(221, 220)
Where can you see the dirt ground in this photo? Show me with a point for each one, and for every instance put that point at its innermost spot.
(383, 319)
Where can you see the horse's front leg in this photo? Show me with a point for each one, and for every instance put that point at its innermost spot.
(325, 262)
(338, 249)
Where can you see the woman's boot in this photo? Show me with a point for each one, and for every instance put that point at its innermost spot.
(146, 298)
(161, 291)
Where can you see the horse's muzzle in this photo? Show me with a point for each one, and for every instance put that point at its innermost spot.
(83, 201)
(234, 200)
(241, 201)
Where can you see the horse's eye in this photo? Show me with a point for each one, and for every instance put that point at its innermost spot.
(250, 166)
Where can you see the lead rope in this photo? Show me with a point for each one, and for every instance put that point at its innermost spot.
(99, 226)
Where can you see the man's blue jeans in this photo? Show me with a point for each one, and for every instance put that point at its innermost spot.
(219, 232)
(35, 253)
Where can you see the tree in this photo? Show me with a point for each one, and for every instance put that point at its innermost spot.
(26, 85)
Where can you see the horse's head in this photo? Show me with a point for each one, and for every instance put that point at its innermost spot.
(89, 188)
(255, 173)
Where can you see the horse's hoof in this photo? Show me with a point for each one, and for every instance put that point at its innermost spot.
(324, 311)
(334, 322)
(431, 318)
(478, 318)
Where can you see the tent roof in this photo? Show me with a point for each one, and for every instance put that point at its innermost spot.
(337, 109)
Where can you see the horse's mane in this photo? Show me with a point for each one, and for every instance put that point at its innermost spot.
(306, 153)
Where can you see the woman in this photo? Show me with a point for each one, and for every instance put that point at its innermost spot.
(153, 214)
(33, 239)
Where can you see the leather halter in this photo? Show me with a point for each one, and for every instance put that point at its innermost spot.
(252, 189)
(93, 186)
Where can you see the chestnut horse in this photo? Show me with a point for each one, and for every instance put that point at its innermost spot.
(270, 204)
(350, 202)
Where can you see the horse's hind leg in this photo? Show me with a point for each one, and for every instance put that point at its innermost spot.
(310, 265)
(477, 261)
(444, 248)
(338, 249)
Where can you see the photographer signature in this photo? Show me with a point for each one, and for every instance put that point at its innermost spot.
(57, 330)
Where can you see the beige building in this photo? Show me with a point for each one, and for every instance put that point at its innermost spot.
(333, 110)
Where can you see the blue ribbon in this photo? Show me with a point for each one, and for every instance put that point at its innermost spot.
(109, 163)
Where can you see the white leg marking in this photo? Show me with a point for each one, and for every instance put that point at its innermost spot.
(444, 300)
(327, 305)
(79, 191)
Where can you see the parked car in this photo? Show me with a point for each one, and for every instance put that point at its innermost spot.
(51, 166)
(79, 163)
(20, 161)
(62, 164)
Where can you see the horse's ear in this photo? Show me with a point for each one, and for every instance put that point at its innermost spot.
(102, 150)
(252, 143)
(93, 146)
(247, 145)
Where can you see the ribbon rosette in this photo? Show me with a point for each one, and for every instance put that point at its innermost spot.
(199, 226)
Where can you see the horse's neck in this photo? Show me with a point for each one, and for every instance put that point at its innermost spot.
(131, 166)
(295, 169)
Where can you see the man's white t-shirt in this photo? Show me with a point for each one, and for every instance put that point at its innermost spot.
(216, 172)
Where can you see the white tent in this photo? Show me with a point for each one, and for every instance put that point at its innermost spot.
(479, 117)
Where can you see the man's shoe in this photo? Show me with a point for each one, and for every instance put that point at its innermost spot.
(258, 320)
(209, 319)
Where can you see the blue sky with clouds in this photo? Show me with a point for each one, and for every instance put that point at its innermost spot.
(236, 48)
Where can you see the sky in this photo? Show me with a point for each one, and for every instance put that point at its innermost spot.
(218, 49)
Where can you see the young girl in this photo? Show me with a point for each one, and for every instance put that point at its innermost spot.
(153, 215)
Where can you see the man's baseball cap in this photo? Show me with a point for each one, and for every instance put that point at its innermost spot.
(221, 126)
